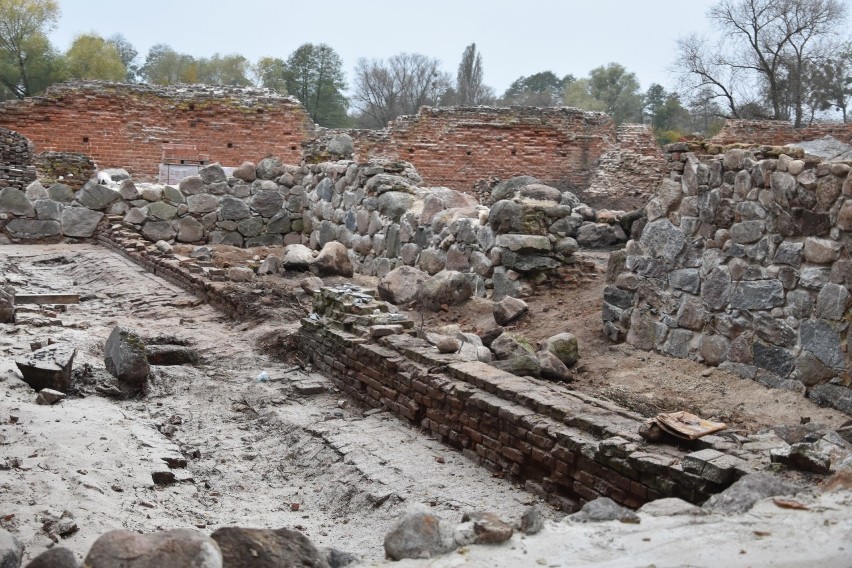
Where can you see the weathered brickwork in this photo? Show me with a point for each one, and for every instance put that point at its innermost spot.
(126, 125)
(457, 146)
(778, 132)
(16, 160)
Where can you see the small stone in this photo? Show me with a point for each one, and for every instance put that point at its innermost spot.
(532, 520)
(745, 492)
(418, 534)
(509, 309)
(125, 359)
(488, 528)
(564, 346)
(267, 548)
(240, 274)
(552, 368)
(56, 557)
(176, 548)
(604, 509)
(447, 344)
(49, 367)
(49, 396)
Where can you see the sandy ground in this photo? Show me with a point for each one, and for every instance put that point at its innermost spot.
(264, 450)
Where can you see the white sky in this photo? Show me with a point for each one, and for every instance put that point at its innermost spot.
(519, 37)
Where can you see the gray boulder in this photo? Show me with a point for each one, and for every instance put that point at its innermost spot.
(190, 230)
(748, 490)
(418, 534)
(552, 368)
(266, 548)
(80, 222)
(507, 189)
(11, 550)
(603, 509)
(269, 168)
(158, 231)
(202, 203)
(394, 204)
(212, 174)
(508, 309)
(36, 191)
(176, 548)
(164, 354)
(15, 201)
(96, 196)
(57, 557)
(48, 210)
(297, 257)
(341, 147)
(447, 287)
(515, 355)
(332, 260)
(191, 185)
(401, 284)
(128, 190)
(61, 193)
(32, 229)
(267, 202)
(564, 346)
(48, 367)
(125, 357)
(597, 235)
(234, 209)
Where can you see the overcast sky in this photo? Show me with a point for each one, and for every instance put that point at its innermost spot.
(515, 38)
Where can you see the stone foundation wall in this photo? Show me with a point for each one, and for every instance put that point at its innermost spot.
(125, 126)
(778, 132)
(74, 170)
(16, 160)
(744, 263)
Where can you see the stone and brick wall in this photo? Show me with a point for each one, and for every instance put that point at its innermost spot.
(16, 160)
(125, 126)
(457, 146)
(744, 263)
(778, 132)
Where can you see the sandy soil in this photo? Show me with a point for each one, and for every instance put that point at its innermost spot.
(255, 452)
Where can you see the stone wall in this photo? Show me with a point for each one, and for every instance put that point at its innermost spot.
(778, 132)
(126, 125)
(377, 210)
(16, 160)
(74, 170)
(744, 263)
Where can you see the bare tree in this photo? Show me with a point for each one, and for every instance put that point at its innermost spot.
(385, 90)
(765, 49)
(469, 87)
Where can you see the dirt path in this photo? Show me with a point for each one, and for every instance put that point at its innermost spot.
(258, 454)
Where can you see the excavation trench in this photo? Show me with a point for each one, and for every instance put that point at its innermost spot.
(257, 453)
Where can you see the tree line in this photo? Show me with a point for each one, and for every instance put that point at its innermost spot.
(780, 59)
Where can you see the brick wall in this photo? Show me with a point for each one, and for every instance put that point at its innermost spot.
(778, 132)
(126, 125)
(457, 146)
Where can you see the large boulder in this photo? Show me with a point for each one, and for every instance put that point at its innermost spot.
(507, 189)
(190, 230)
(266, 548)
(418, 534)
(269, 168)
(57, 557)
(267, 202)
(552, 368)
(447, 287)
(125, 357)
(96, 196)
(32, 228)
(11, 550)
(212, 174)
(176, 548)
(48, 367)
(401, 284)
(158, 231)
(15, 201)
(234, 209)
(297, 257)
(80, 221)
(332, 260)
(508, 309)
(564, 346)
(246, 172)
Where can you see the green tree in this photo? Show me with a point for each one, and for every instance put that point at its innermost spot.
(833, 81)
(270, 72)
(229, 70)
(315, 76)
(618, 90)
(128, 55)
(28, 62)
(165, 66)
(578, 95)
(93, 57)
(541, 89)
(469, 87)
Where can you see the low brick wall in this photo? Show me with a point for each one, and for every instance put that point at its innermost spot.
(563, 445)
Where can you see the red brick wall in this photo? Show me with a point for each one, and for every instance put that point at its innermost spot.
(457, 146)
(126, 125)
(778, 132)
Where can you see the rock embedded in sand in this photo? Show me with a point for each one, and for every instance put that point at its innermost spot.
(48, 367)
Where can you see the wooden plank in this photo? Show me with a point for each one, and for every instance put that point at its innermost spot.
(47, 298)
